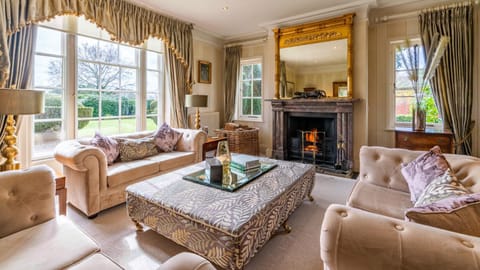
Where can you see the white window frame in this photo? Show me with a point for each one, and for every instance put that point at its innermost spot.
(69, 113)
(391, 96)
(238, 102)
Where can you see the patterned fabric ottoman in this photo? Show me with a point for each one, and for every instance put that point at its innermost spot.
(228, 228)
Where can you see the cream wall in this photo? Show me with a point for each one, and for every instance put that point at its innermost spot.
(207, 48)
(380, 58)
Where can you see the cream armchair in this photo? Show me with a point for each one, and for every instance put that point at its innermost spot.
(370, 232)
(31, 236)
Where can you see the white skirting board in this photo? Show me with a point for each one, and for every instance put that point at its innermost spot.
(209, 119)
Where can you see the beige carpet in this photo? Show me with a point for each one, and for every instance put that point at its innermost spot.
(299, 250)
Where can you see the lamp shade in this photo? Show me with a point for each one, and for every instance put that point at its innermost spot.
(14, 102)
(196, 101)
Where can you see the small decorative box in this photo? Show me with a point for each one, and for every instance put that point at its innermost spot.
(213, 170)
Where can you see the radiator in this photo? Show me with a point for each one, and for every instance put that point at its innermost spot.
(209, 119)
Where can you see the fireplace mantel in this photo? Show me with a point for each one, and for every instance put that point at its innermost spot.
(283, 108)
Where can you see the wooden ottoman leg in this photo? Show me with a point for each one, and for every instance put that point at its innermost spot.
(138, 225)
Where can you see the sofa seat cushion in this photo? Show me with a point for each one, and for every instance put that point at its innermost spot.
(95, 261)
(54, 244)
(123, 172)
(173, 160)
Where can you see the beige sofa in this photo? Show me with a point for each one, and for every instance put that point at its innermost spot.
(31, 236)
(370, 232)
(93, 186)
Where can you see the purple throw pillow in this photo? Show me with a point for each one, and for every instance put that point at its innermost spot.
(108, 146)
(459, 214)
(166, 138)
(424, 169)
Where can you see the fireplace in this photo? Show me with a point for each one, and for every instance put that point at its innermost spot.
(315, 131)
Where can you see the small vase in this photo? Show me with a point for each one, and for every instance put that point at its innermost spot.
(419, 119)
(223, 155)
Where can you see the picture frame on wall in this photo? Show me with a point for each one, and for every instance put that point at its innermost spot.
(204, 72)
(340, 89)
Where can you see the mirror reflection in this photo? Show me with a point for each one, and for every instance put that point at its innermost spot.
(320, 66)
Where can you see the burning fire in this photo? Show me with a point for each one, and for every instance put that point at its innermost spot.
(311, 137)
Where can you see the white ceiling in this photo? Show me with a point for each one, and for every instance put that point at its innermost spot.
(237, 19)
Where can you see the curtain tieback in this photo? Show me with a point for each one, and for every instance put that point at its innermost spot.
(469, 134)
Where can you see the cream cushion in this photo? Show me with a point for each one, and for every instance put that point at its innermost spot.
(123, 172)
(50, 245)
(173, 160)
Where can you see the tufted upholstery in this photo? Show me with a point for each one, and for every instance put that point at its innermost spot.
(26, 199)
(93, 185)
(31, 237)
(187, 261)
(370, 232)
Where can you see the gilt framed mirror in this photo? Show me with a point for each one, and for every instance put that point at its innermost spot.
(313, 56)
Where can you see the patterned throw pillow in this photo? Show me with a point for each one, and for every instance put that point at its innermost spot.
(108, 146)
(442, 187)
(423, 170)
(166, 138)
(133, 149)
(459, 214)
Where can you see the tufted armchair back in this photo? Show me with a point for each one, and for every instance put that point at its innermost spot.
(27, 198)
(381, 187)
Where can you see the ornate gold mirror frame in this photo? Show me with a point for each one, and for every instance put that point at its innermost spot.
(327, 30)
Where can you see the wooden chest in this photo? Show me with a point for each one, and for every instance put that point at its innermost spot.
(424, 140)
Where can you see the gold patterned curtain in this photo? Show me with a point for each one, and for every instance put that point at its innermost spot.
(124, 21)
(452, 84)
(21, 46)
(232, 72)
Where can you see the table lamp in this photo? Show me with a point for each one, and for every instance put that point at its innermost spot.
(16, 102)
(196, 101)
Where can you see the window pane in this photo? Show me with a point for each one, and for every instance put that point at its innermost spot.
(403, 108)
(48, 71)
(110, 103)
(87, 76)
(49, 41)
(128, 79)
(128, 55)
(109, 77)
(152, 104)
(47, 134)
(257, 106)
(402, 80)
(257, 71)
(128, 125)
(153, 60)
(88, 129)
(257, 88)
(110, 126)
(152, 122)
(152, 81)
(87, 48)
(107, 52)
(247, 88)
(128, 104)
(247, 72)
(246, 106)
(52, 105)
(89, 99)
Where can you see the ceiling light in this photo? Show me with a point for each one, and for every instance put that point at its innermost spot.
(225, 8)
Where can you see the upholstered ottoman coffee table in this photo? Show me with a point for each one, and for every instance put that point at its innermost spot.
(228, 228)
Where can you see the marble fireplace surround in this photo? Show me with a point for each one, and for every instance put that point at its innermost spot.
(342, 107)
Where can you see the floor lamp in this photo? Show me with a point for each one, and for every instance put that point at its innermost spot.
(16, 102)
(196, 101)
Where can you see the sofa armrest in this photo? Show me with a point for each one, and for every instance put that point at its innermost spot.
(27, 198)
(355, 239)
(73, 154)
(192, 140)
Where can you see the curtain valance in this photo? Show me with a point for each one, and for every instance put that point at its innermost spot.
(124, 21)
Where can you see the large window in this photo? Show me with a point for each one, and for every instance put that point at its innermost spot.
(405, 95)
(94, 85)
(249, 105)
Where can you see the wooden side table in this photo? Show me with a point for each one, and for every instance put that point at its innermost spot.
(424, 140)
(61, 191)
(211, 144)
